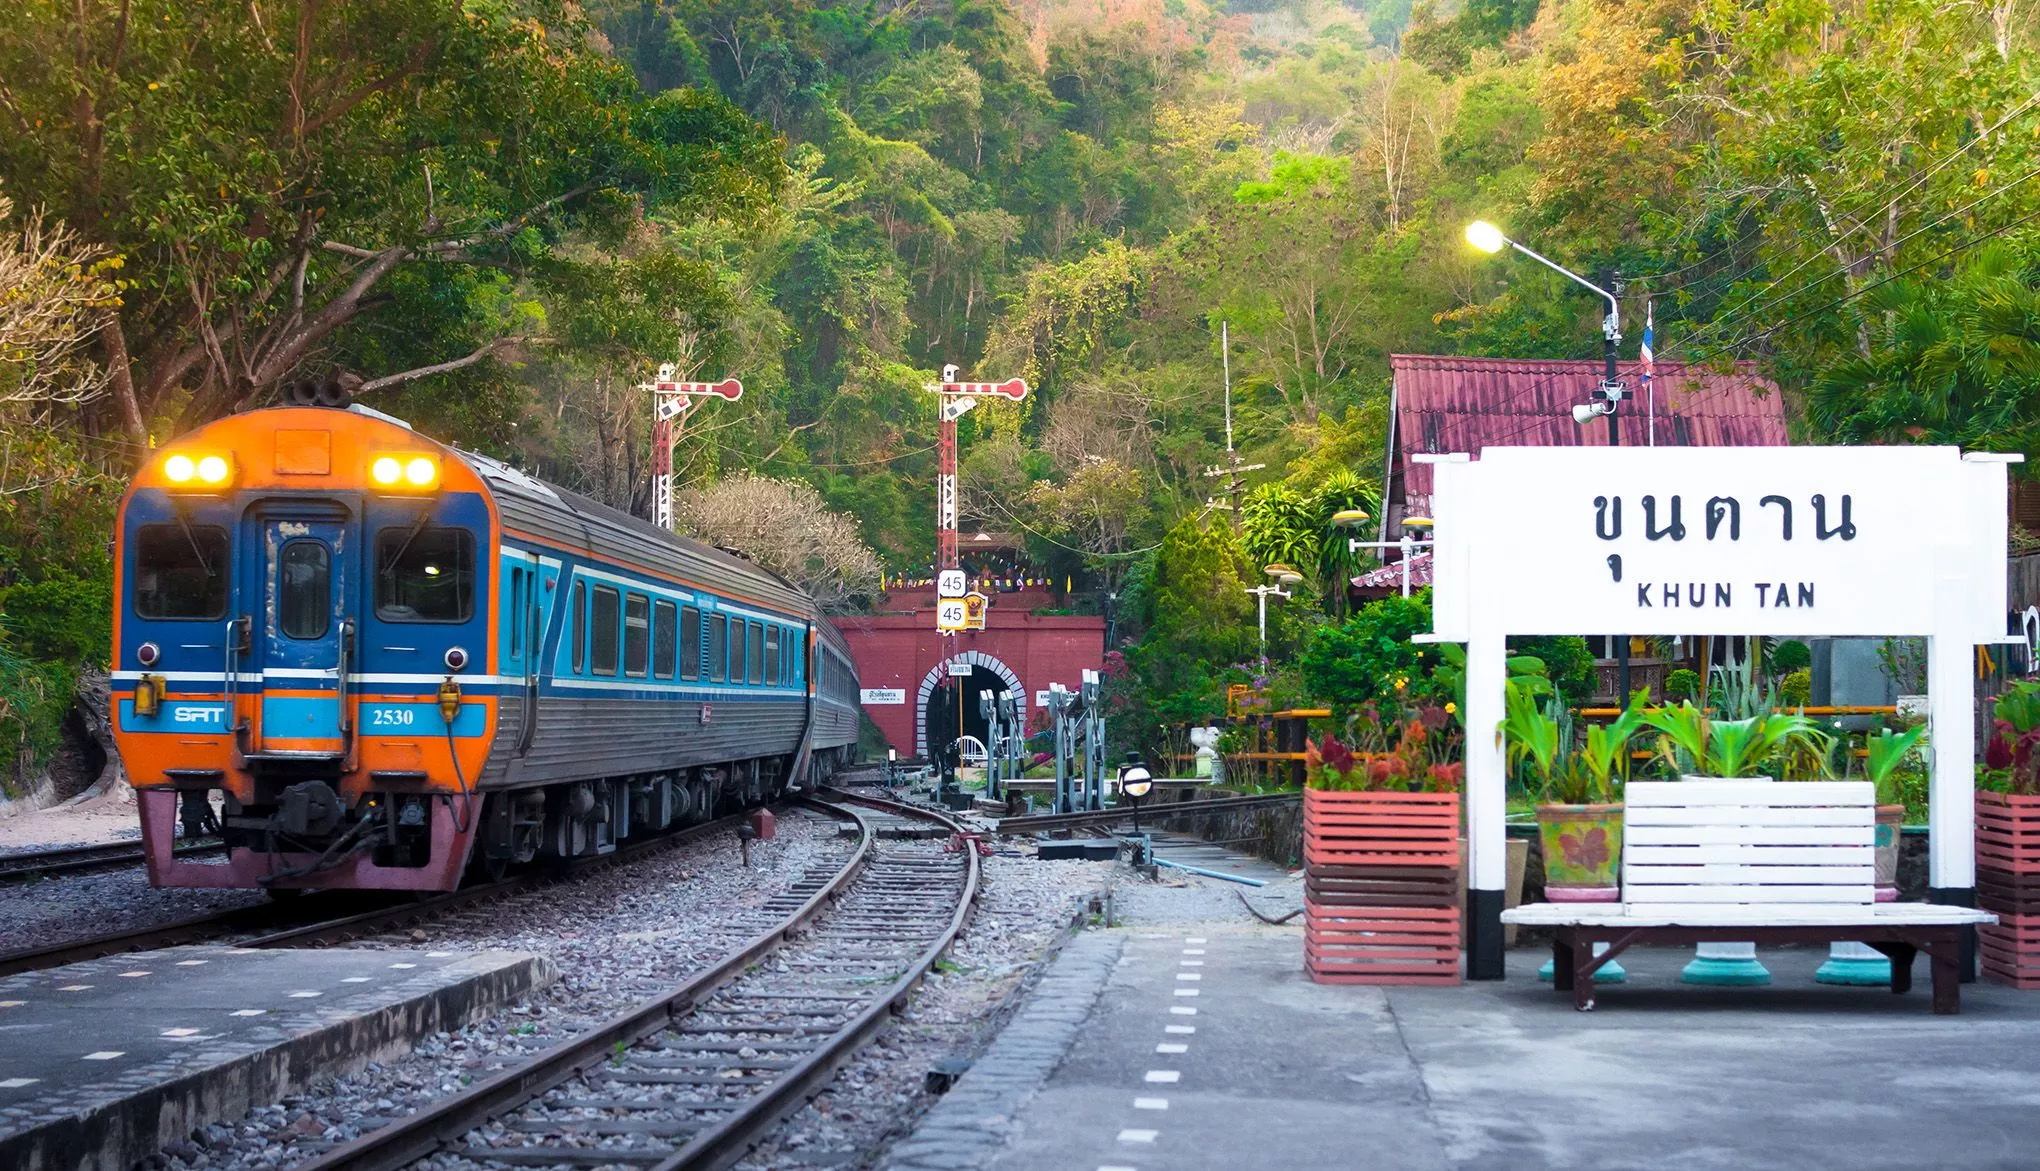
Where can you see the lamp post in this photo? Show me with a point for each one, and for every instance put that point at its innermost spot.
(1284, 576)
(1490, 239)
(1134, 783)
(1413, 530)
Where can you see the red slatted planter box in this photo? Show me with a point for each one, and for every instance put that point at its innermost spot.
(1381, 877)
(2008, 833)
(2008, 885)
(2009, 950)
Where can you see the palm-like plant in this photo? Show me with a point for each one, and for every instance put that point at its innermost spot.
(1738, 747)
(1886, 750)
(1954, 361)
(1529, 734)
(1685, 732)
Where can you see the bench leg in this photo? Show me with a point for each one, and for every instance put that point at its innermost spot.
(1580, 974)
(1561, 964)
(1901, 956)
(1947, 976)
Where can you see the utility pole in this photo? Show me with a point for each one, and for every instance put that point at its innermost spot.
(1234, 471)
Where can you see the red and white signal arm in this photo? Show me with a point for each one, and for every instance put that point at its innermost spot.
(1012, 388)
(951, 614)
(676, 397)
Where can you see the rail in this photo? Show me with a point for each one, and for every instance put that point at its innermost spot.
(641, 1044)
(80, 859)
(284, 924)
(1009, 826)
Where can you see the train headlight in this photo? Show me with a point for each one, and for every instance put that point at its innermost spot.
(179, 469)
(404, 470)
(214, 469)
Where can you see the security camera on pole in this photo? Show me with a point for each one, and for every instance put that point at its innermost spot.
(672, 401)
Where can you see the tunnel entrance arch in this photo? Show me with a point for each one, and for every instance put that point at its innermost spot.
(937, 703)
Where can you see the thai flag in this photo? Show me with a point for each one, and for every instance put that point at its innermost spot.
(1644, 355)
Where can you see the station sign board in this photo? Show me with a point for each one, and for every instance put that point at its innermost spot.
(1798, 541)
(959, 669)
(882, 696)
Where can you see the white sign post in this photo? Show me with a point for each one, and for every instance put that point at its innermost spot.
(1821, 541)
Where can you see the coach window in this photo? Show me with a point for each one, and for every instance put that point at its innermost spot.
(580, 626)
(690, 642)
(637, 634)
(181, 571)
(304, 589)
(602, 615)
(772, 655)
(663, 625)
(756, 657)
(424, 574)
(718, 646)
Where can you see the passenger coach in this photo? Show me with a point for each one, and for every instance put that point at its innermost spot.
(367, 659)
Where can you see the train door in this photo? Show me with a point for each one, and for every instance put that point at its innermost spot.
(529, 587)
(301, 643)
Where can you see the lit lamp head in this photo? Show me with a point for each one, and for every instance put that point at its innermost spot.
(1349, 518)
(1416, 526)
(1282, 573)
(1485, 236)
(1134, 779)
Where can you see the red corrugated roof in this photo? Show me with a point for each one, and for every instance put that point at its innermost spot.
(1446, 404)
(1390, 576)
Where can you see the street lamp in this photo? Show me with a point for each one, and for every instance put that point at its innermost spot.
(1490, 239)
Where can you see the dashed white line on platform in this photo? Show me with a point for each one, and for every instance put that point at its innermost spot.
(403, 965)
(354, 979)
(1182, 1009)
(1150, 1103)
(12, 1003)
(1186, 991)
(180, 1032)
(74, 987)
(1163, 1075)
(248, 1012)
(1193, 939)
(1193, 963)
(1171, 1047)
(307, 994)
(1179, 1028)
(1193, 951)
(1189, 975)
(132, 975)
(1138, 1136)
(106, 1055)
(191, 963)
(15, 1083)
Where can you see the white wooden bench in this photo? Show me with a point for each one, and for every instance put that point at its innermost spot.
(1762, 861)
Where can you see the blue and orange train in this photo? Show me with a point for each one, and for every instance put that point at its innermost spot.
(367, 659)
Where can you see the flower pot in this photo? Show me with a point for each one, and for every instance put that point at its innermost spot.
(1582, 852)
(1381, 871)
(2008, 884)
(1890, 819)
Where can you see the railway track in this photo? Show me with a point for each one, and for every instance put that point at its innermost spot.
(695, 1077)
(29, 864)
(1153, 813)
(333, 917)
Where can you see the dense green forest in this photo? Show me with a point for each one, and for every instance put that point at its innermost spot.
(501, 215)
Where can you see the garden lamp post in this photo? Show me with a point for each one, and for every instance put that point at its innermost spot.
(1413, 538)
(1134, 783)
(1284, 576)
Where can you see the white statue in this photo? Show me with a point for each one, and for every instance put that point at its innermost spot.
(1205, 740)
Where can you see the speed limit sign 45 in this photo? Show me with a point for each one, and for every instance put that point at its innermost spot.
(951, 614)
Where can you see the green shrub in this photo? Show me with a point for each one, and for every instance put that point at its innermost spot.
(1791, 656)
(1796, 689)
(1682, 684)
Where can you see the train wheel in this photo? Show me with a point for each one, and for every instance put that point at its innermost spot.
(495, 869)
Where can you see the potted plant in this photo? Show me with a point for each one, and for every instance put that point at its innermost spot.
(1381, 854)
(1885, 752)
(1579, 819)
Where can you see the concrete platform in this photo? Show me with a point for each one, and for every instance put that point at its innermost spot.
(1205, 1047)
(102, 1063)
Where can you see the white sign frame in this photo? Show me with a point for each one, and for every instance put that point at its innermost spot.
(1907, 541)
(949, 614)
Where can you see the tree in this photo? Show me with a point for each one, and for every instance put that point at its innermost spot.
(268, 186)
(784, 526)
(1094, 511)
